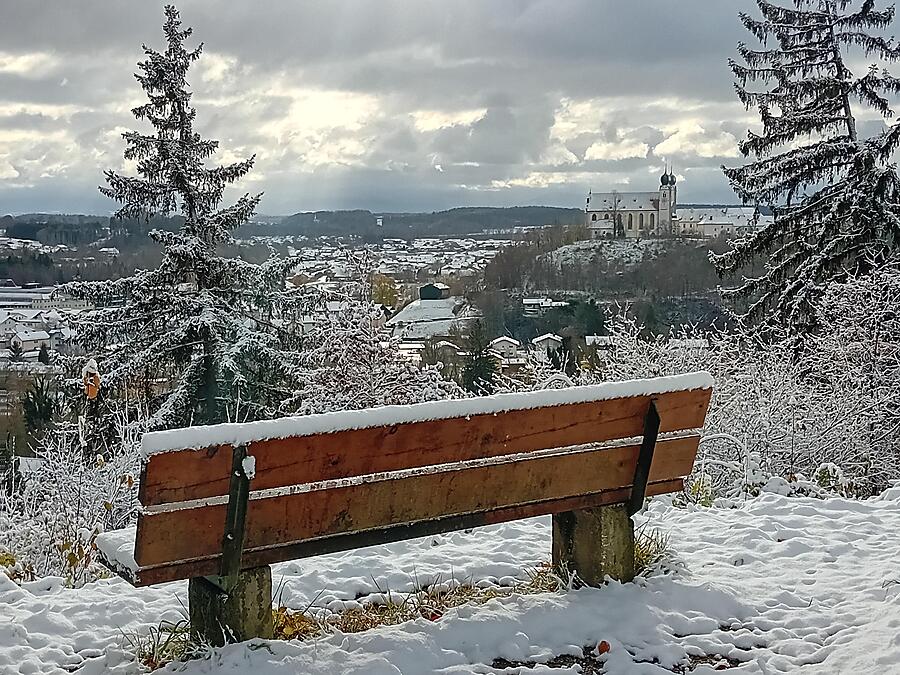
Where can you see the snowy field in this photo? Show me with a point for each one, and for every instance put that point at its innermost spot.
(779, 585)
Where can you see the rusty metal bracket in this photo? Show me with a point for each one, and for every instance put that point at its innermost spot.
(645, 459)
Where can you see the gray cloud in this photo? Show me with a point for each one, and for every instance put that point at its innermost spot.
(390, 105)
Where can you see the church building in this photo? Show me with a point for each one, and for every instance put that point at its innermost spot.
(633, 215)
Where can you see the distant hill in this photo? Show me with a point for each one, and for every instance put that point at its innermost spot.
(76, 228)
(61, 228)
(464, 220)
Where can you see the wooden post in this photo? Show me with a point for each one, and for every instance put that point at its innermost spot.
(599, 542)
(245, 611)
(595, 543)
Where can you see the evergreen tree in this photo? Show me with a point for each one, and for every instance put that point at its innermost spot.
(198, 338)
(479, 371)
(589, 318)
(15, 352)
(39, 405)
(44, 354)
(836, 193)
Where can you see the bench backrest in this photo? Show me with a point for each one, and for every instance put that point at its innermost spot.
(337, 481)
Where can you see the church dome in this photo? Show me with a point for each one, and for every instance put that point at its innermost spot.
(672, 179)
(664, 180)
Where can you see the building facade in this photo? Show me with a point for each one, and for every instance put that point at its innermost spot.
(633, 215)
(638, 215)
(728, 221)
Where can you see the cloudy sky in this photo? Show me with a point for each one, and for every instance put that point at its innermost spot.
(394, 105)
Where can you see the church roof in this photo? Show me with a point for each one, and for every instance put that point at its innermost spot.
(623, 201)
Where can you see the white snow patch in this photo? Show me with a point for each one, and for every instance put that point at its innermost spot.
(621, 254)
(235, 434)
(248, 464)
(117, 549)
(777, 584)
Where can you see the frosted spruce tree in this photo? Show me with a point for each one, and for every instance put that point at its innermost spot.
(834, 190)
(198, 339)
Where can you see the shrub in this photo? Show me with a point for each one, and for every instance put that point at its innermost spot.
(50, 519)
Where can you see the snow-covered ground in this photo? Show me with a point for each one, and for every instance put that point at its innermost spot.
(778, 585)
(615, 253)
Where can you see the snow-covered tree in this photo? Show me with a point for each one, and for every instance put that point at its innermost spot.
(835, 190)
(201, 337)
(52, 515)
(349, 362)
(777, 412)
(349, 365)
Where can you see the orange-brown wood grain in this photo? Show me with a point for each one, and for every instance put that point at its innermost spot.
(197, 474)
(187, 533)
(296, 550)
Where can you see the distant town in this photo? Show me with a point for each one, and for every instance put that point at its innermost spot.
(523, 272)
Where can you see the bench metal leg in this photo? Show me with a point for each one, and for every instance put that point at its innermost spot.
(595, 543)
(645, 460)
(245, 611)
(235, 605)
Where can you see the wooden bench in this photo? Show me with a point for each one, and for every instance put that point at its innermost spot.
(221, 503)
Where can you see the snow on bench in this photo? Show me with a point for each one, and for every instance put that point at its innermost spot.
(249, 432)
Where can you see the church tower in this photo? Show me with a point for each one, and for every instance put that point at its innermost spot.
(668, 197)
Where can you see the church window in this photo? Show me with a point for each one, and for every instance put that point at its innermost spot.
(641, 221)
(652, 220)
(630, 221)
(594, 217)
(605, 216)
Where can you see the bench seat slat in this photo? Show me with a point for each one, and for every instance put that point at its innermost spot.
(190, 533)
(199, 474)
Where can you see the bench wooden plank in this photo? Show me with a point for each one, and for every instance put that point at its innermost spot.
(187, 533)
(198, 474)
(346, 542)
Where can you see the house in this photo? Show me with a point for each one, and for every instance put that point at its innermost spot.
(38, 297)
(31, 341)
(434, 292)
(537, 306)
(63, 340)
(729, 221)
(411, 351)
(426, 319)
(506, 347)
(28, 465)
(446, 351)
(10, 325)
(547, 343)
(509, 354)
(600, 342)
